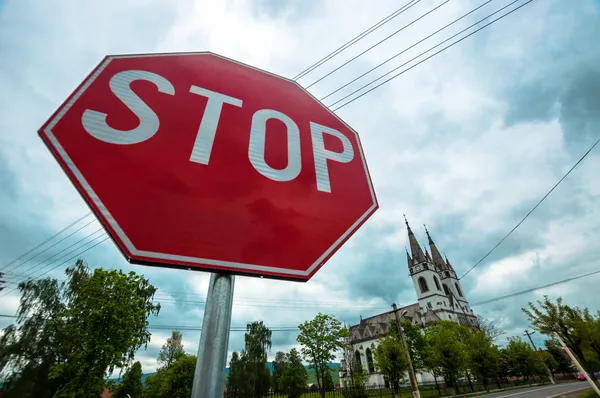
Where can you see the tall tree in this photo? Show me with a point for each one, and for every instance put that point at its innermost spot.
(249, 375)
(447, 351)
(294, 378)
(131, 385)
(571, 324)
(321, 339)
(174, 382)
(171, 351)
(278, 365)
(484, 357)
(70, 336)
(523, 360)
(488, 327)
(355, 378)
(391, 360)
(562, 359)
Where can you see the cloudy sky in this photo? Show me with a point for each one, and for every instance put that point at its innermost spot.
(466, 142)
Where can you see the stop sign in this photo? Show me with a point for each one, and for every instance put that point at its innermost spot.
(196, 161)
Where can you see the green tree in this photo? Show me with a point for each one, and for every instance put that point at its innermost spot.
(70, 336)
(447, 351)
(484, 357)
(321, 339)
(523, 360)
(355, 378)
(171, 351)
(294, 378)
(131, 384)
(571, 324)
(391, 360)
(174, 382)
(549, 361)
(564, 362)
(278, 364)
(249, 375)
(415, 341)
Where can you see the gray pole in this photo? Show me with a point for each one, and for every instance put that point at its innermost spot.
(576, 362)
(535, 349)
(209, 377)
(411, 370)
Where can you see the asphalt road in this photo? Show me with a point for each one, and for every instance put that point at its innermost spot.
(540, 392)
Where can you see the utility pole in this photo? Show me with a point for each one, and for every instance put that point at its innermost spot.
(528, 334)
(576, 362)
(411, 371)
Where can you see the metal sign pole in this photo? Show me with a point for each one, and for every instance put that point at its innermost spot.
(209, 377)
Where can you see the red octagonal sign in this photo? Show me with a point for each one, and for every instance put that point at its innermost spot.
(197, 161)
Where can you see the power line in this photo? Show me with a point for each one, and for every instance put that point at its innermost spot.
(412, 46)
(46, 241)
(532, 210)
(519, 293)
(377, 44)
(64, 262)
(362, 35)
(418, 63)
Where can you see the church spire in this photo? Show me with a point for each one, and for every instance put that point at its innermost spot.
(408, 259)
(416, 251)
(448, 264)
(435, 253)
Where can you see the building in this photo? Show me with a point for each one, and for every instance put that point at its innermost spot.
(439, 297)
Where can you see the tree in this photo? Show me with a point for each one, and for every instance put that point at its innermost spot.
(415, 341)
(70, 336)
(321, 338)
(391, 360)
(355, 379)
(571, 324)
(484, 357)
(447, 351)
(523, 360)
(294, 377)
(489, 328)
(249, 375)
(562, 359)
(174, 382)
(131, 384)
(171, 351)
(278, 364)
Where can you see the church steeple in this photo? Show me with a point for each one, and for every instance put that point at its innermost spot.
(435, 253)
(408, 259)
(416, 251)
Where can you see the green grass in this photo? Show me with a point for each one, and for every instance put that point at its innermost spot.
(588, 394)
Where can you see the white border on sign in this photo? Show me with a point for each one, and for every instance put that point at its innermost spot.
(174, 257)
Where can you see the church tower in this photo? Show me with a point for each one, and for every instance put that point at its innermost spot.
(438, 289)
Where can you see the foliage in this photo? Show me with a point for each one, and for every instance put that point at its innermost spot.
(578, 329)
(171, 351)
(294, 378)
(447, 351)
(278, 364)
(416, 343)
(391, 359)
(523, 361)
(321, 338)
(249, 375)
(356, 378)
(489, 328)
(70, 336)
(131, 384)
(174, 382)
(562, 359)
(328, 384)
(484, 356)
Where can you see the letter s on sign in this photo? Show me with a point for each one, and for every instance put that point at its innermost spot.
(94, 122)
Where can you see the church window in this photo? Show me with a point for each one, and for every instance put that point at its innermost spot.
(446, 290)
(357, 358)
(370, 364)
(437, 283)
(458, 289)
(423, 285)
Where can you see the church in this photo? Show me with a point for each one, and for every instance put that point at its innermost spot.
(439, 297)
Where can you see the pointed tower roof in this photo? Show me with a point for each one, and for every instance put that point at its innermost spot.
(435, 253)
(448, 264)
(416, 251)
(408, 259)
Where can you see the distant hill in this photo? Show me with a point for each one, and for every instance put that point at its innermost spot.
(334, 368)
